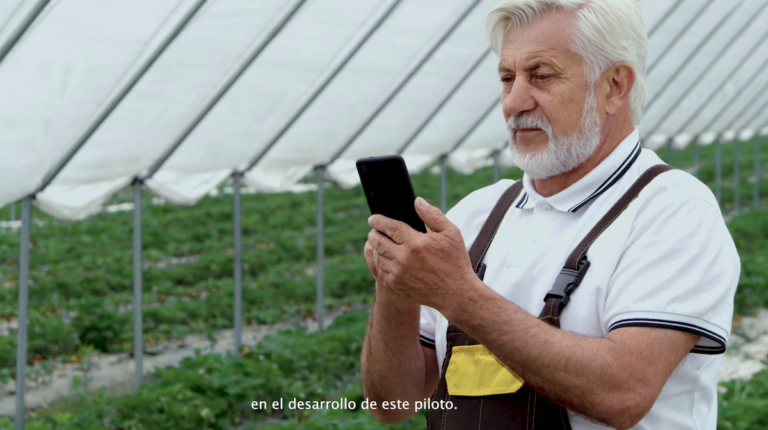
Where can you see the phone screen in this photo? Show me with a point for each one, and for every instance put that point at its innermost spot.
(388, 189)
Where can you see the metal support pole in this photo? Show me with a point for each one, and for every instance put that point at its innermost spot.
(736, 175)
(718, 170)
(496, 156)
(756, 190)
(138, 336)
(696, 157)
(13, 211)
(444, 183)
(320, 247)
(238, 275)
(21, 339)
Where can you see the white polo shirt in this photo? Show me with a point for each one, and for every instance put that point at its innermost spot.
(668, 261)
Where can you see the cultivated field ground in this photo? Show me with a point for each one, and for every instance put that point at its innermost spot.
(80, 303)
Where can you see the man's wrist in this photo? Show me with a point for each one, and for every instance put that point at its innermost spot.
(464, 305)
(391, 301)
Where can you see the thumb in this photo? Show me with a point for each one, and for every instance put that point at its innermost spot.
(432, 216)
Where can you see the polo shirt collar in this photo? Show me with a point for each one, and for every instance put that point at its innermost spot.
(592, 185)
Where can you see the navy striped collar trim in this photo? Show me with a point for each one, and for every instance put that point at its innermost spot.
(522, 202)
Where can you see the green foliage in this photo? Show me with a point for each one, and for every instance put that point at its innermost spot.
(210, 391)
(744, 405)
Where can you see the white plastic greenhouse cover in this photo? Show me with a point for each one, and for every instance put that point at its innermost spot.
(409, 76)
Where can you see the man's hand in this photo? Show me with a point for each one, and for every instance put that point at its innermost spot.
(430, 269)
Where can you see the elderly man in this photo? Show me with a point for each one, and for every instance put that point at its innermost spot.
(639, 344)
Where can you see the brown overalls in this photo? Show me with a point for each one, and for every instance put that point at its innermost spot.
(516, 406)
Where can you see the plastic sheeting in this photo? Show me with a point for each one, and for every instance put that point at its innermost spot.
(404, 85)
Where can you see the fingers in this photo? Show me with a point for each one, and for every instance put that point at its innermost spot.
(396, 230)
(432, 216)
(380, 245)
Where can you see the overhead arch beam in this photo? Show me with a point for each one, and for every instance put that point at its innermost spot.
(22, 28)
(118, 97)
(714, 94)
(226, 86)
(677, 38)
(706, 69)
(406, 78)
(702, 43)
(329, 76)
(439, 107)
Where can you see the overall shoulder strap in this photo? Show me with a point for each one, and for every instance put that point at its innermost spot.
(579, 253)
(488, 231)
(577, 264)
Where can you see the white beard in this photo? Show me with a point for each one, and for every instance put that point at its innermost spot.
(561, 154)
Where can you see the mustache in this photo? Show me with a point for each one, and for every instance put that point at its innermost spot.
(528, 121)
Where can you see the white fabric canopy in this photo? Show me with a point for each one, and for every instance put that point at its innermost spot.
(384, 73)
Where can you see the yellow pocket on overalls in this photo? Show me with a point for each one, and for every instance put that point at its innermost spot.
(474, 371)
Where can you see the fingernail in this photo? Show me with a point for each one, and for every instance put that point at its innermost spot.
(369, 219)
(423, 203)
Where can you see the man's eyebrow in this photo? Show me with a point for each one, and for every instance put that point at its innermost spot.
(533, 66)
(539, 64)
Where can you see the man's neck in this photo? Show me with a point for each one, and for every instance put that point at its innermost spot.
(613, 134)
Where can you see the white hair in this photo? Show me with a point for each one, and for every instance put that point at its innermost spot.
(608, 32)
(561, 154)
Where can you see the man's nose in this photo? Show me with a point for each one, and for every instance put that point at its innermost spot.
(517, 99)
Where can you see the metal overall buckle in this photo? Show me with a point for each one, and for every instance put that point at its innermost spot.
(481, 271)
(567, 281)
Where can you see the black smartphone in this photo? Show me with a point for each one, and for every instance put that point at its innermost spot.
(388, 189)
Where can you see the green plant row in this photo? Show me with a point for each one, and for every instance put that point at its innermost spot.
(215, 392)
(81, 290)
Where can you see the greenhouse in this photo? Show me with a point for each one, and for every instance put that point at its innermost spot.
(121, 118)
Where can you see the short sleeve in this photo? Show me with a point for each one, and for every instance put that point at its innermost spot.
(427, 323)
(678, 271)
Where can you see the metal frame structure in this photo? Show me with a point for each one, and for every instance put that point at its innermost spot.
(21, 334)
(690, 56)
(727, 46)
(226, 86)
(439, 107)
(80, 141)
(26, 225)
(320, 168)
(326, 80)
(664, 18)
(238, 255)
(328, 77)
(320, 255)
(118, 97)
(406, 77)
(259, 47)
(684, 30)
(138, 333)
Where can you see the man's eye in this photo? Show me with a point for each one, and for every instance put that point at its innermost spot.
(507, 79)
(542, 77)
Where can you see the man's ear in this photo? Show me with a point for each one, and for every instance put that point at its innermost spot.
(619, 80)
